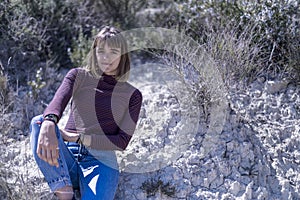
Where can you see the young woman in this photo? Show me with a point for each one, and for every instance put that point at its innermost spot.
(103, 115)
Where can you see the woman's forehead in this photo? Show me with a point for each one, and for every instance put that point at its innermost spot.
(111, 42)
(105, 46)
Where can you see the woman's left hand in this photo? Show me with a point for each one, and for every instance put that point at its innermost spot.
(69, 136)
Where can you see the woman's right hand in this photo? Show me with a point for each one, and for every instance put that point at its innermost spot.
(69, 136)
(47, 148)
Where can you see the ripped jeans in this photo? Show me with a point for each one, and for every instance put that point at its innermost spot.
(77, 168)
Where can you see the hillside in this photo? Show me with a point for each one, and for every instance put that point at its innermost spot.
(255, 155)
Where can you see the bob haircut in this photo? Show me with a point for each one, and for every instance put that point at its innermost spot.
(113, 38)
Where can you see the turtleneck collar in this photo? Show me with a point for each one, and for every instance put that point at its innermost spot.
(110, 79)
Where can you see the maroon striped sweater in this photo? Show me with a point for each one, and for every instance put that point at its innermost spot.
(104, 108)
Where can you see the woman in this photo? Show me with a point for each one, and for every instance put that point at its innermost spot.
(103, 115)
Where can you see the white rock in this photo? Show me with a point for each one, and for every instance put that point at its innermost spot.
(235, 188)
(275, 86)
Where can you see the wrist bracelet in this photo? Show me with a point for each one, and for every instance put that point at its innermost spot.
(50, 120)
(51, 117)
(79, 139)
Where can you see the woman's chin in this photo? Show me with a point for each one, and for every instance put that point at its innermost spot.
(105, 69)
(107, 72)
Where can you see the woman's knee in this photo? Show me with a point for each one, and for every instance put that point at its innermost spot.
(65, 193)
(36, 120)
(35, 129)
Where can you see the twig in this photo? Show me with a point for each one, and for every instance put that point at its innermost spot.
(271, 55)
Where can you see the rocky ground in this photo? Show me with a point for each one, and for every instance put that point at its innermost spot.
(254, 156)
(173, 155)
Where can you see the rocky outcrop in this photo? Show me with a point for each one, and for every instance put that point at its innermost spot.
(254, 156)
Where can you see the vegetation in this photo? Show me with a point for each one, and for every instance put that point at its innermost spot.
(153, 186)
(274, 24)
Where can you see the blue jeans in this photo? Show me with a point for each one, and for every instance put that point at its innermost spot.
(77, 168)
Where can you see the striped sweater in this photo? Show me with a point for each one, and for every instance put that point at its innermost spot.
(104, 108)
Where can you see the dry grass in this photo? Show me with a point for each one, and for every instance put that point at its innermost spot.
(19, 176)
(221, 57)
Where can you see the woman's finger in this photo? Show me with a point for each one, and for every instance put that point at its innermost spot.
(55, 154)
(49, 156)
(42, 153)
(39, 151)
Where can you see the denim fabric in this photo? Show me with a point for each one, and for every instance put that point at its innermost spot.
(77, 168)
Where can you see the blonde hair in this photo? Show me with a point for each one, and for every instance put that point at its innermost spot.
(113, 38)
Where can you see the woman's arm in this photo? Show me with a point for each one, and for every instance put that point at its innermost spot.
(125, 132)
(47, 148)
(69, 136)
(63, 94)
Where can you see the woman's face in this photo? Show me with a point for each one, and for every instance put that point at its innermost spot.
(108, 58)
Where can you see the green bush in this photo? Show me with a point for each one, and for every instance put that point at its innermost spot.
(121, 13)
(152, 187)
(34, 33)
(276, 26)
(39, 34)
(37, 84)
(81, 48)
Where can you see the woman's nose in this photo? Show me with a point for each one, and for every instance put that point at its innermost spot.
(106, 56)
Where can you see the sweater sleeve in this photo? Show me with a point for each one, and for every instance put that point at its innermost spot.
(62, 95)
(126, 128)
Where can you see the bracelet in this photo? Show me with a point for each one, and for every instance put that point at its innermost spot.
(80, 139)
(51, 117)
